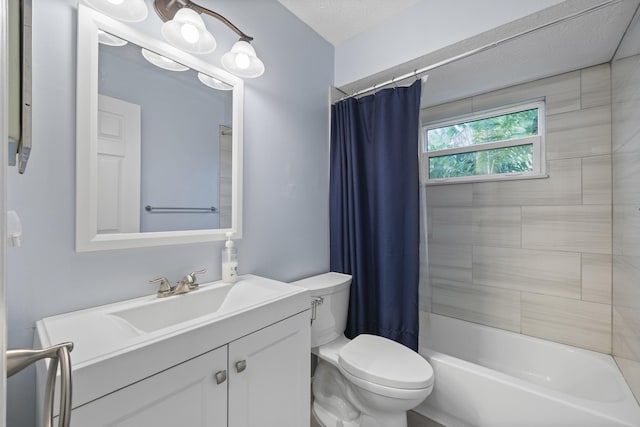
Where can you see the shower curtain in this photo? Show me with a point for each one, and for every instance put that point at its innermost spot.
(374, 210)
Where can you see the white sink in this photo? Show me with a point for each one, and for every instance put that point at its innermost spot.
(139, 337)
(206, 301)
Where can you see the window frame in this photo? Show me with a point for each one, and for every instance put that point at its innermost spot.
(537, 142)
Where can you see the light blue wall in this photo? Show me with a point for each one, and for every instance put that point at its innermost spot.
(285, 179)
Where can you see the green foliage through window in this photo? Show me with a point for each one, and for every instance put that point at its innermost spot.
(480, 136)
(487, 162)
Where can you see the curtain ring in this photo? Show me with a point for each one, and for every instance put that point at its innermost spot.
(415, 74)
(393, 82)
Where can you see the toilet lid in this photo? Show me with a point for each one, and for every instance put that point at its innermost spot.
(385, 362)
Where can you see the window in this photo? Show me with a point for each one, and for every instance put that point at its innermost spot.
(498, 144)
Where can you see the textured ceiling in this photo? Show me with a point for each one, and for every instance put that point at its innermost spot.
(339, 20)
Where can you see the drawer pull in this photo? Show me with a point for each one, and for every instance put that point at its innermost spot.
(241, 365)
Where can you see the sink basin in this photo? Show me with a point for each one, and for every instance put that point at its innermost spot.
(173, 310)
(211, 299)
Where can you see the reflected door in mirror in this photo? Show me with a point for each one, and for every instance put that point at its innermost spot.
(118, 166)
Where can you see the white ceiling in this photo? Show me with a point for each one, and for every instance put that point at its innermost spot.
(339, 20)
(579, 42)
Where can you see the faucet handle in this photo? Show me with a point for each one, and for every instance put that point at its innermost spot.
(165, 286)
(191, 279)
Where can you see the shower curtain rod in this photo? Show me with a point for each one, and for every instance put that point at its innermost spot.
(419, 71)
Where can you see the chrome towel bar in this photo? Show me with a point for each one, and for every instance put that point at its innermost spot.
(149, 208)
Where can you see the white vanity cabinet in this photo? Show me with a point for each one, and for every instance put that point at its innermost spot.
(269, 374)
(261, 378)
(184, 395)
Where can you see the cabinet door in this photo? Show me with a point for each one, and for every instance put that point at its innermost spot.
(185, 395)
(269, 376)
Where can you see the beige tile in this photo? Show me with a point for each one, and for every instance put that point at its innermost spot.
(579, 133)
(574, 322)
(450, 225)
(626, 126)
(596, 278)
(626, 333)
(626, 176)
(449, 195)
(446, 111)
(596, 86)
(415, 419)
(562, 94)
(496, 226)
(567, 228)
(552, 273)
(423, 319)
(631, 371)
(495, 307)
(450, 263)
(314, 421)
(626, 104)
(626, 79)
(563, 187)
(596, 180)
(626, 230)
(626, 281)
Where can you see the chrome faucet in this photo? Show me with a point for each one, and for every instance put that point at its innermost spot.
(187, 284)
(191, 279)
(165, 287)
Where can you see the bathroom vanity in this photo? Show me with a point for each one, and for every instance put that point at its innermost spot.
(224, 355)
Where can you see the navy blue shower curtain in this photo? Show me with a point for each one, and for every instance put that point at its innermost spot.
(374, 210)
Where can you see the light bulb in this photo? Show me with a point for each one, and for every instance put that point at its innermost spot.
(187, 31)
(190, 32)
(243, 61)
(116, 2)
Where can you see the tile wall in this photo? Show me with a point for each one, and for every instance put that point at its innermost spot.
(532, 256)
(626, 218)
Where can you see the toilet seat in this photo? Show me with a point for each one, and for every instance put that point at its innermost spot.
(370, 359)
(390, 392)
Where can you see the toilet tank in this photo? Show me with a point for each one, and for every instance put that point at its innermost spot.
(331, 290)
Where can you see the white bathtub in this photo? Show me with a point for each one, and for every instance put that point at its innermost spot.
(487, 377)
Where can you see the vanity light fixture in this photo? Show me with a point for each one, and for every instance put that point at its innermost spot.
(110, 39)
(184, 28)
(162, 62)
(213, 83)
(242, 61)
(186, 31)
(124, 10)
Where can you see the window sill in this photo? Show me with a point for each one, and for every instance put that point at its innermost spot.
(478, 179)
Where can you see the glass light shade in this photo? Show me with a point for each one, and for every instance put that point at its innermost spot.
(123, 10)
(186, 31)
(110, 39)
(242, 61)
(162, 62)
(214, 83)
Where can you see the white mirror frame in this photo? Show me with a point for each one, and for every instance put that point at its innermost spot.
(87, 238)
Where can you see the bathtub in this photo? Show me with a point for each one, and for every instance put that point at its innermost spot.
(487, 377)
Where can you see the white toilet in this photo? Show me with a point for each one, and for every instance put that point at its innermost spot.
(369, 381)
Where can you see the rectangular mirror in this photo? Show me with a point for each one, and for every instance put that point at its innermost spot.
(159, 141)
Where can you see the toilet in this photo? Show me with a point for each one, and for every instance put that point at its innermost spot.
(369, 381)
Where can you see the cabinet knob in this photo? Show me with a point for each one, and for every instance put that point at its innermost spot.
(221, 376)
(241, 365)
